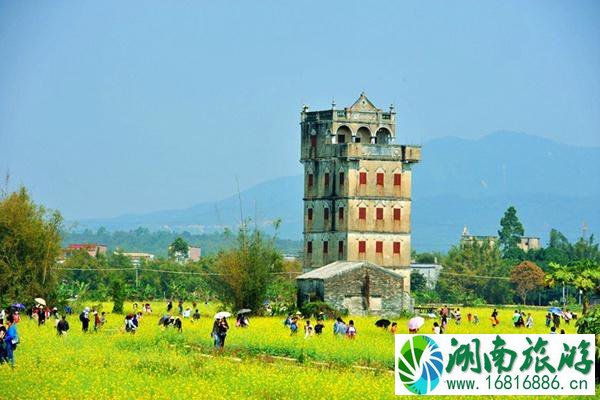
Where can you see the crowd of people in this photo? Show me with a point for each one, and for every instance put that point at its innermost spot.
(340, 328)
(9, 338)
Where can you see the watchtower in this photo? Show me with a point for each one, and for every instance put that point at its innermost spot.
(357, 187)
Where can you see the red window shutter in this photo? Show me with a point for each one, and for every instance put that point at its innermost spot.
(309, 247)
(379, 179)
(397, 179)
(397, 213)
(362, 213)
(362, 246)
(396, 247)
(362, 178)
(326, 213)
(379, 213)
(342, 179)
(341, 212)
(379, 247)
(341, 247)
(310, 180)
(325, 247)
(310, 214)
(326, 179)
(313, 141)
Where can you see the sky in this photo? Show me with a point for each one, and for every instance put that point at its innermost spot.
(109, 108)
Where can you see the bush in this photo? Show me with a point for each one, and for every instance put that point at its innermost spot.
(590, 323)
(316, 307)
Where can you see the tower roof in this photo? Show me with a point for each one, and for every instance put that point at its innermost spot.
(363, 104)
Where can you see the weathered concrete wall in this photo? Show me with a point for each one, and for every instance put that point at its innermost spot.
(385, 292)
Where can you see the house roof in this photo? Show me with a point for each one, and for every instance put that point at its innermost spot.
(341, 267)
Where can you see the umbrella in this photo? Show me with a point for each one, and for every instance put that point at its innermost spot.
(383, 323)
(555, 310)
(41, 301)
(415, 323)
(244, 311)
(222, 314)
(18, 305)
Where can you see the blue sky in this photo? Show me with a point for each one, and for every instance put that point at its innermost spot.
(117, 107)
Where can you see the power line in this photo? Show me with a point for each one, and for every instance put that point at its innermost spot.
(165, 271)
(475, 276)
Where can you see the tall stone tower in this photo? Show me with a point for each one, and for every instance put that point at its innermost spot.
(357, 188)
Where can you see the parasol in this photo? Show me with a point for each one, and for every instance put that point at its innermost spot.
(222, 314)
(383, 323)
(415, 323)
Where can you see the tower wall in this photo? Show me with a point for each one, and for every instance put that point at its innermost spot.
(357, 187)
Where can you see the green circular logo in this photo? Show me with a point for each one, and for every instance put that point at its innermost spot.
(420, 364)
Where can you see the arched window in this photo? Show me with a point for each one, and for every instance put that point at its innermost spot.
(363, 135)
(383, 136)
(343, 134)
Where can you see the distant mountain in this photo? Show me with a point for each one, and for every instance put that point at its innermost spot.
(459, 182)
(506, 163)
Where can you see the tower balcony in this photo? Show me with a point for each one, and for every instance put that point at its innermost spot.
(368, 151)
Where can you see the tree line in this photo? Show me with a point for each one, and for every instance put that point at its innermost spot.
(250, 271)
(503, 273)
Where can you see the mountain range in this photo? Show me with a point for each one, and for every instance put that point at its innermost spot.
(458, 183)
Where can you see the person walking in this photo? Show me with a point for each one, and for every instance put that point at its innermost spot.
(169, 307)
(11, 339)
(84, 317)
(220, 328)
(495, 318)
(41, 316)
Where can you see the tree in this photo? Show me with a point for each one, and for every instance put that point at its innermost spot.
(242, 274)
(474, 271)
(29, 246)
(584, 275)
(526, 276)
(511, 231)
(117, 292)
(178, 250)
(418, 282)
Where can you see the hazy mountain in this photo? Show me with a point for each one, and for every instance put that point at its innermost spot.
(459, 182)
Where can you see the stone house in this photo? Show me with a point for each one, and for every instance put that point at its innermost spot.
(360, 287)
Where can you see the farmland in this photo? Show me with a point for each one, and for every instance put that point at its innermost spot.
(256, 363)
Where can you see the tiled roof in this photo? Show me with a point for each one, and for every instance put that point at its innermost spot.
(341, 267)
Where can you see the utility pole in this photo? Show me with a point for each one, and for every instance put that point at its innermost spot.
(137, 264)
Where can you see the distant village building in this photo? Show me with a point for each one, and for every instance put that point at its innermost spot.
(431, 272)
(357, 200)
(194, 253)
(91, 248)
(138, 258)
(526, 243)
